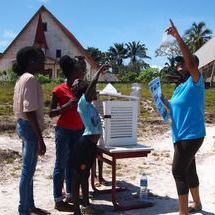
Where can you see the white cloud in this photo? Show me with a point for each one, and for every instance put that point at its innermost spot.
(9, 34)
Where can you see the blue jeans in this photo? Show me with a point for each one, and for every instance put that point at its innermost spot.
(29, 159)
(64, 141)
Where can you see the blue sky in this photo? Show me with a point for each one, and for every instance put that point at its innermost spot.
(100, 23)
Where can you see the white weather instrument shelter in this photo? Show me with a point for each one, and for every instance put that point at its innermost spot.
(119, 114)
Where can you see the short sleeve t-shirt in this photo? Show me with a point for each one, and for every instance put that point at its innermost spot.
(70, 118)
(187, 110)
(28, 96)
(90, 117)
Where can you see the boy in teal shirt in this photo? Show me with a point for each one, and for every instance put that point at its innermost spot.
(85, 151)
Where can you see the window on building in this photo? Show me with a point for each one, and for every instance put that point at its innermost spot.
(58, 53)
(45, 26)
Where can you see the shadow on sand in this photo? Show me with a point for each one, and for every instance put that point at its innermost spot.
(162, 204)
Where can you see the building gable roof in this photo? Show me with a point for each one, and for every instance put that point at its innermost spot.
(206, 53)
(64, 29)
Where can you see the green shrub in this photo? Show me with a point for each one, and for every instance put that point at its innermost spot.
(43, 79)
(125, 74)
(58, 80)
(148, 74)
(8, 76)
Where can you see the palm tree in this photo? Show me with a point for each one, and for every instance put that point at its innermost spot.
(197, 35)
(97, 55)
(136, 51)
(117, 53)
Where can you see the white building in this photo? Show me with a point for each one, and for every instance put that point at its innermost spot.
(44, 30)
(206, 55)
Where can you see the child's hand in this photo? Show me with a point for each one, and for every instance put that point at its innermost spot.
(165, 102)
(104, 68)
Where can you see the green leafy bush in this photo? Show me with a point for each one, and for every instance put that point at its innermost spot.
(8, 76)
(125, 74)
(148, 74)
(43, 79)
(58, 80)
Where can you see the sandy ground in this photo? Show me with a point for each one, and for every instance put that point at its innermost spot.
(157, 166)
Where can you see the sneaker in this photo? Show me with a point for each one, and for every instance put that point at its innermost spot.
(63, 206)
(195, 209)
(69, 200)
(90, 209)
(38, 211)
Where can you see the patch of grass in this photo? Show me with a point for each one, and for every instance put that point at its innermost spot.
(210, 100)
(107, 171)
(13, 174)
(9, 160)
(6, 110)
(6, 96)
(8, 156)
(133, 177)
(119, 174)
(119, 166)
(16, 168)
(47, 91)
(50, 177)
(6, 93)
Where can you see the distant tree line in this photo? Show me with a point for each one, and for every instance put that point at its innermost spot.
(128, 59)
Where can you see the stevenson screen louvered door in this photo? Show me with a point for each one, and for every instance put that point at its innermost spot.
(120, 127)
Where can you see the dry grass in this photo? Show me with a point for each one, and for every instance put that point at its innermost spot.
(8, 156)
(6, 96)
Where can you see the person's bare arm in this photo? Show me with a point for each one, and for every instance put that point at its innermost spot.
(90, 90)
(189, 60)
(165, 102)
(32, 117)
(55, 111)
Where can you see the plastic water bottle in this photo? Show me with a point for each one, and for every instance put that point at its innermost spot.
(135, 90)
(143, 187)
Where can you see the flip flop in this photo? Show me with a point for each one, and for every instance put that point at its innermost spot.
(195, 209)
